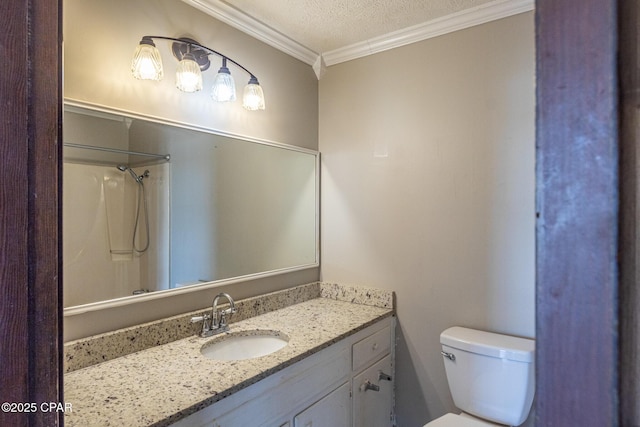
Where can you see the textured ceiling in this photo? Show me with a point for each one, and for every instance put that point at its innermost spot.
(326, 25)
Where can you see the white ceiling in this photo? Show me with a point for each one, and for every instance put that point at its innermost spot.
(321, 32)
(326, 25)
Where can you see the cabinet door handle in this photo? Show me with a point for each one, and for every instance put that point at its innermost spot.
(383, 376)
(369, 386)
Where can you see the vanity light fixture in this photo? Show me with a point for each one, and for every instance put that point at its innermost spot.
(224, 88)
(193, 59)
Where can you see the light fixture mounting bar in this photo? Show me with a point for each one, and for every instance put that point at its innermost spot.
(193, 43)
(186, 46)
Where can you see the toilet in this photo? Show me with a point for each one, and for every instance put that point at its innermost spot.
(491, 378)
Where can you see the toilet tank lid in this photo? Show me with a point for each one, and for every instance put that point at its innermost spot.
(489, 344)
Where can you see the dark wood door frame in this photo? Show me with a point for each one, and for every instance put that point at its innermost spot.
(577, 192)
(577, 203)
(30, 292)
(629, 306)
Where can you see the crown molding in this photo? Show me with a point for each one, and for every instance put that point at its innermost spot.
(256, 29)
(447, 24)
(457, 21)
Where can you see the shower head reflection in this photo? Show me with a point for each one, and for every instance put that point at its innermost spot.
(138, 178)
(142, 202)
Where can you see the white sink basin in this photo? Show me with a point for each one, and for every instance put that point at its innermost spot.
(244, 345)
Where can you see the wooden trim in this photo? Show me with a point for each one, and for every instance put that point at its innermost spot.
(30, 107)
(14, 208)
(577, 199)
(629, 14)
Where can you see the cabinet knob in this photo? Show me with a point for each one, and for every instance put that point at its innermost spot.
(368, 385)
(383, 376)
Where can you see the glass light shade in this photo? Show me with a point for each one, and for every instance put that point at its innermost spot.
(253, 98)
(224, 88)
(188, 75)
(146, 63)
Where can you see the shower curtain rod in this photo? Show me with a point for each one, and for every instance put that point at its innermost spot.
(167, 157)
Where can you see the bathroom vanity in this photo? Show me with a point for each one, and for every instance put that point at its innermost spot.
(352, 378)
(337, 367)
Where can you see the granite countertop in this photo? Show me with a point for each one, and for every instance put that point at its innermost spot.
(160, 385)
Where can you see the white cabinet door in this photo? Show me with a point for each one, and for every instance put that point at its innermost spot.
(373, 395)
(333, 410)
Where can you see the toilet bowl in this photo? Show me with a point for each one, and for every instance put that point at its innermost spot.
(461, 420)
(491, 378)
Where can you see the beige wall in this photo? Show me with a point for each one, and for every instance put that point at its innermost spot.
(428, 190)
(99, 40)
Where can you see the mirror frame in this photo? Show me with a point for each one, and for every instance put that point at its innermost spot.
(126, 300)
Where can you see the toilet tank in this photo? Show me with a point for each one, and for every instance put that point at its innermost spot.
(491, 376)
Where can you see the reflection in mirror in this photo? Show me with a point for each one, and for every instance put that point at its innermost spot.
(151, 208)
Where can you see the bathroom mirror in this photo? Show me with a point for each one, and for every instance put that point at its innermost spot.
(151, 208)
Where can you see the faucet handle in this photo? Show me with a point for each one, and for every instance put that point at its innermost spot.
(204, 318)
(223, 316)
(196, 319)
(205, 323)
(229, 311)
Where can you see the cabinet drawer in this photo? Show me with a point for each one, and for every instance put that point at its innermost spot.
(371, 348)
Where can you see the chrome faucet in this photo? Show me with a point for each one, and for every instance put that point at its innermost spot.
(216, 322)
(219, 319)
